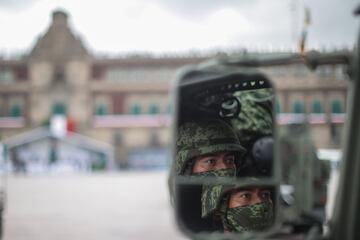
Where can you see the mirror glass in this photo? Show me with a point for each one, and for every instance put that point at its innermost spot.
(224, 150)
(224, 124)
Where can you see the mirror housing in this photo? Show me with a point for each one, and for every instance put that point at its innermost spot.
(234, 100)
(206, 90)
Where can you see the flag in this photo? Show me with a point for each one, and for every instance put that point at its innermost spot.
(307, 22)
(70, 125)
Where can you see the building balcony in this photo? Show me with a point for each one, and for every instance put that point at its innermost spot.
(132, 121)
(12, 122)
(311, 118)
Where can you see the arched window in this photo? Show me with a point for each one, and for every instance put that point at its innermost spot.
(59, 108)
(336, 107)
(316, 107)
(153, 109)
(298, 107)
(101, 110)
(16, 110)
(135, 109)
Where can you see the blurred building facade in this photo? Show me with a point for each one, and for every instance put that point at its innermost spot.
(125, 101)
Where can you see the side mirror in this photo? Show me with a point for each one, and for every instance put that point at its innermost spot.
(224, 174)
(227, 143)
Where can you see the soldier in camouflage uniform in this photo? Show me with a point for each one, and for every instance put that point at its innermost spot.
(255, 117)
(198, 139)
(254, 127)
(211, 142)
(254, 121)
(240, 208)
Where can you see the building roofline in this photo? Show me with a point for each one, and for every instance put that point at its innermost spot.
(44, 132)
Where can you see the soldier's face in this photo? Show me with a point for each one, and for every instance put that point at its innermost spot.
(213, 161)
(249, 196)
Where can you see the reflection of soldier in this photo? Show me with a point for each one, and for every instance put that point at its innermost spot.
(251, 208)
(204, 148)
(197, 140)
(207, 148)
(239, 208)
(254, 126)
(255, 117)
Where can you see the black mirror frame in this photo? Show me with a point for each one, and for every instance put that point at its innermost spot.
(175, 181)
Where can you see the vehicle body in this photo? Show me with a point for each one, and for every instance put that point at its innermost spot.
(310, 191)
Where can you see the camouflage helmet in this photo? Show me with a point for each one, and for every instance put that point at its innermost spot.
(212, 197)
(255, 117)
(204, 137)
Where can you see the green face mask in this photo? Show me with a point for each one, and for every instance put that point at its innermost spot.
(226, 172)
(256, 217)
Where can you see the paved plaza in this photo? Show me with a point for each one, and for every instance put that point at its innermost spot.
(124, 205)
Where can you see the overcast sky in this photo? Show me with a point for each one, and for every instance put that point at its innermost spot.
(122, 26)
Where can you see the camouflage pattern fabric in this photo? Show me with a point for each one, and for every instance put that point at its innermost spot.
(211, 197)
(255, 117)
(211, 194)
(225, 172)
(199, 138)
(256, 217)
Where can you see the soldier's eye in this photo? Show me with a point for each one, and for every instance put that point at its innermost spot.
(265, 195)
(245, 196)
(230, 160)
(211, 161)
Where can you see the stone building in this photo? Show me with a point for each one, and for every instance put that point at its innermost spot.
(125, 101)
(316, 97)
